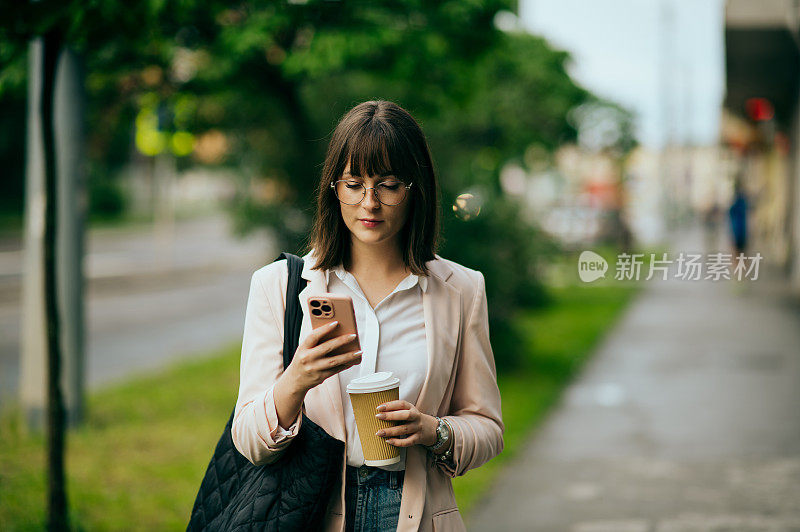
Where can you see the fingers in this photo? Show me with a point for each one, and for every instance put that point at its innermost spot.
(404, 435)
(404, 442)
(395, 405)
(408, 431)
(346, 359)
(335, 364)
(397, 415)
(317, 334)
(329, 345)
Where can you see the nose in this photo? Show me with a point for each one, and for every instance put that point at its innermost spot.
(371, 199)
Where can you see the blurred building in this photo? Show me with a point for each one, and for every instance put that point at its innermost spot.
(576, 196)
(671, 187)
(761, 123)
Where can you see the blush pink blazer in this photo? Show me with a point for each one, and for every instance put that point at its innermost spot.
(460, 385)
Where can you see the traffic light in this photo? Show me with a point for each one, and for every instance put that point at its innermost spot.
(759, 109)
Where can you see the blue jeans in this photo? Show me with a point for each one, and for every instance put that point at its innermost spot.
(372, 499)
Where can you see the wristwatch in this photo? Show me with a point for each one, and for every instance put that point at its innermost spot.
(443, 435)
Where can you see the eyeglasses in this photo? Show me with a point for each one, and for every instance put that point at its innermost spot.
(352, 192)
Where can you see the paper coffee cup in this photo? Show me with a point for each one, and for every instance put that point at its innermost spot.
(366, 393)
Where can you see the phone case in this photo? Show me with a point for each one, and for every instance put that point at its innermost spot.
(326, 308)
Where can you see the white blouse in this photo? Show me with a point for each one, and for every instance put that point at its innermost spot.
(392, 337)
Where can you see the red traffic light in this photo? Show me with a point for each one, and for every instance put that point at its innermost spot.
(759, 109)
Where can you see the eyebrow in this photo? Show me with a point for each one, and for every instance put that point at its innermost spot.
(384, 174)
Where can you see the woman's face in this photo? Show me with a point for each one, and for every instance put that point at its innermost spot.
(372, 222)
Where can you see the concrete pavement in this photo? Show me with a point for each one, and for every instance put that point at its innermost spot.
(687, 419)
(123, 256)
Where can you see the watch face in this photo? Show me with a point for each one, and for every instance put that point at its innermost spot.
(441, 435)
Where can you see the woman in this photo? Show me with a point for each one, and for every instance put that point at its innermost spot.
(418, 315)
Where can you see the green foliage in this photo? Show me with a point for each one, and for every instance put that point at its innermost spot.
(270, 79)
(106, 199)
(12, 153)
(510, 254)
(604, 126)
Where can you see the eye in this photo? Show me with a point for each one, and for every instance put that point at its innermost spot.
(352, 185)
(392, 185)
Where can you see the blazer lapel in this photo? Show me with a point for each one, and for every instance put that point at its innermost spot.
(441, 304)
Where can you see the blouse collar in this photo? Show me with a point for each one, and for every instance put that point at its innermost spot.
(408, 282)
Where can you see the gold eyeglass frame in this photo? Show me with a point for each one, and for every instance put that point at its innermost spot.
(364, 193)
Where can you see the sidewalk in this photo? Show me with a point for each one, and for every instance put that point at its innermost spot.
(686, 419)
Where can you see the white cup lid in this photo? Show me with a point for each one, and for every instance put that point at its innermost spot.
(375, 382)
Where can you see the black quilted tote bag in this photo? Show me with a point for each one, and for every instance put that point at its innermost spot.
(289, 494)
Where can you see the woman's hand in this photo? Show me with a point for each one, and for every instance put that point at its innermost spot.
(416, 427)
(312, 362)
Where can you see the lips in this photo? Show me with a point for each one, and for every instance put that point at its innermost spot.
(369, 223)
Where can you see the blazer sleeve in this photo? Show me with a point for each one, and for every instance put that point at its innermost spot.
(255, 430)
(475, 411)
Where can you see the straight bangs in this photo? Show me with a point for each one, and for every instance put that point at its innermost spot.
(375, 150)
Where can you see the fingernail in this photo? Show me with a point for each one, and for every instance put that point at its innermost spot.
(379, 433)
(334, 323)
(379, 416)
(380, 408)
(352, 336)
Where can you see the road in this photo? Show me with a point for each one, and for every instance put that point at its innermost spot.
(152, 298)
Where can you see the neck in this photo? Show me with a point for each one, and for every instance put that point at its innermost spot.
(376, 260)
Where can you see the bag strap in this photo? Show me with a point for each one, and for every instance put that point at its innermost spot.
(293, 316)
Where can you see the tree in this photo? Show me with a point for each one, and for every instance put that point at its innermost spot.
(57, 500)
(269, 80)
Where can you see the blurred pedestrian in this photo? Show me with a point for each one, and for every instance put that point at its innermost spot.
(420, 316)
(738, 218)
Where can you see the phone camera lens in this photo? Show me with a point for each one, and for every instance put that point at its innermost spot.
(315, 303)
(316, 312)
(326, 308)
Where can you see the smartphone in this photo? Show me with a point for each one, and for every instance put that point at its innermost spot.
(326, 308)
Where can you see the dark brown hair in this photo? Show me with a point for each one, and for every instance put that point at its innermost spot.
(375, 137)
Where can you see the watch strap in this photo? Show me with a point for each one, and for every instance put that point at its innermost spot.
(444, 432)
(448, 455)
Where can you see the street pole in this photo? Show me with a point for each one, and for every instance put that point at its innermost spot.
(69, 233)
(666, 168)
(33, 353)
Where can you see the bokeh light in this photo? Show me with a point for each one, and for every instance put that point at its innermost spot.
(467, 206)
(182, 143)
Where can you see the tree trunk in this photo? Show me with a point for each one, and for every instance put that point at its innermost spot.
(56, 489)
